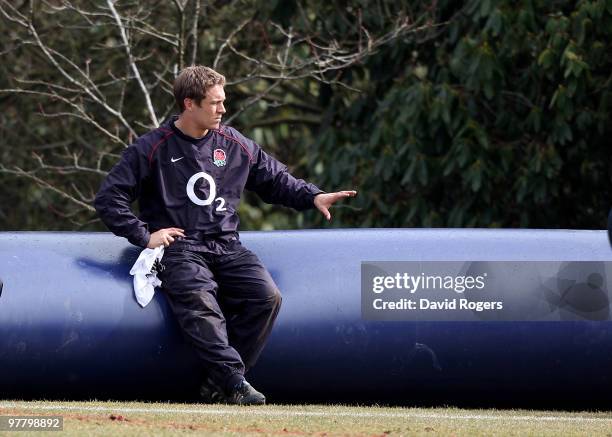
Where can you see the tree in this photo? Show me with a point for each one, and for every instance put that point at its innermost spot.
(503, 121)
(82, 79)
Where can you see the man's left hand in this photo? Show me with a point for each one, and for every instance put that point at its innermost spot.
(324, 201)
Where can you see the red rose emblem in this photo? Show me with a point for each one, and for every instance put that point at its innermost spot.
(219, 157)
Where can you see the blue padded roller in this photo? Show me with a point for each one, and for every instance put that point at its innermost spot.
(70, 326)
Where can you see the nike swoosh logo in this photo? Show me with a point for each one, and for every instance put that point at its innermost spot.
(177, 159)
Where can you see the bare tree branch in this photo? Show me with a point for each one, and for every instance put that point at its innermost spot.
(79, 111)
(227, 41)
(180, 7)
(48, 53)
(194, 32)
(121, 83)
(43, 183)
(132, 62)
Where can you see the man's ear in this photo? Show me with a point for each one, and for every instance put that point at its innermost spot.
(188, 103)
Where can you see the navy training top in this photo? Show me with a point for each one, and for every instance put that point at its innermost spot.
(193, 184)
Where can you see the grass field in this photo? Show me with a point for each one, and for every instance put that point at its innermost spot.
(145, 419)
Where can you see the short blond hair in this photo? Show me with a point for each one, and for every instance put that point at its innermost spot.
(193, 83)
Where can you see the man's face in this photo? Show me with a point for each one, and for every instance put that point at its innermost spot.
(207, 115)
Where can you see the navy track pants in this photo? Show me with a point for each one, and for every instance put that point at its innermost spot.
(225, 304)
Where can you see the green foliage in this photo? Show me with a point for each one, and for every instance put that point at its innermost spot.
(496, 118)
(500, 121)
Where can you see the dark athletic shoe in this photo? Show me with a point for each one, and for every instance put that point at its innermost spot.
(245, 394)
(210, 393)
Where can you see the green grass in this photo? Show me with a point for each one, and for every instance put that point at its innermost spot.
(163, 419)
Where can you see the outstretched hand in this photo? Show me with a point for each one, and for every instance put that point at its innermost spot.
(324, 201)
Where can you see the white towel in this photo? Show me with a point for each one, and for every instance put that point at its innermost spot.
(145, 276)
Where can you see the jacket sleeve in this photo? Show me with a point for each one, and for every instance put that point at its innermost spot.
(120, 188)
(274, 184)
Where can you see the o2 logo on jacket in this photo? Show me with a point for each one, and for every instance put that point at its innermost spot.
(212, 194)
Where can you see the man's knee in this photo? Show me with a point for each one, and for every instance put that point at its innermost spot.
(273, 297)
(277, 298)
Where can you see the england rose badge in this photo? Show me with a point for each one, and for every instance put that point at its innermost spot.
(219, 157)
